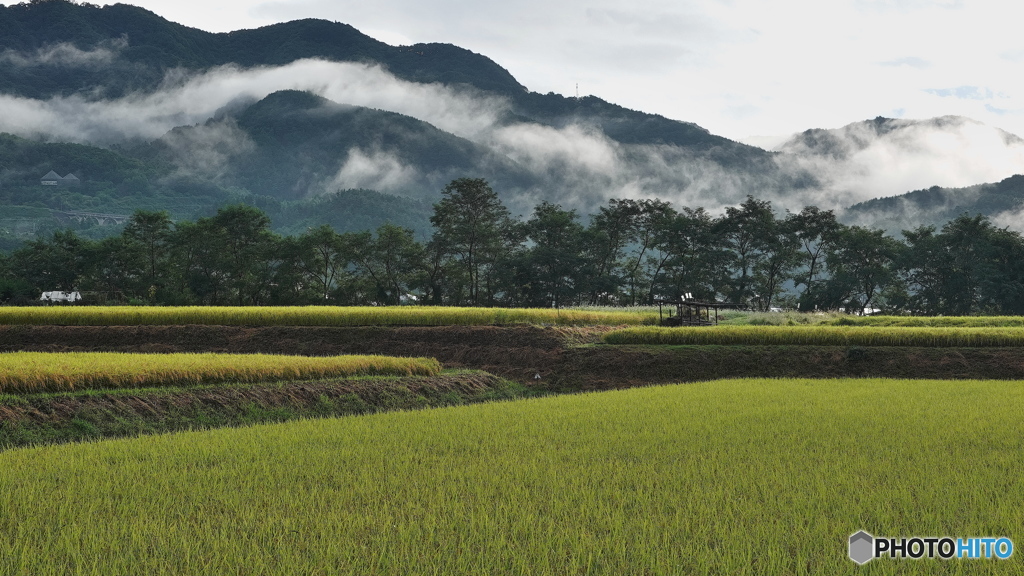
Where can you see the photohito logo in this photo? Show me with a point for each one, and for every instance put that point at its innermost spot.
(864, 547)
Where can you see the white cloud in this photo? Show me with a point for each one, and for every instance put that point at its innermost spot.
(66, 54)
(373, 170)
(951, 152)
(186, 99)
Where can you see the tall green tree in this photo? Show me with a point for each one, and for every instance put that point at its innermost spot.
(863, 264)
(473, 227)
(746, 232)
(149, 233)
(694, 257)
(611, 231)
(390, 261)
(816, 230)
(57, 263)
(323, 257)
(554, 264)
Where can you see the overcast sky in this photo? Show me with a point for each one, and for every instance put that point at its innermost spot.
(740, 68)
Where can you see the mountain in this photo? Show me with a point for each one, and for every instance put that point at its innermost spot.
(106, 62)
(1002, 201)
(56, 47)
(294, 145)
(889, 156)
(316, 122)
(121, 181)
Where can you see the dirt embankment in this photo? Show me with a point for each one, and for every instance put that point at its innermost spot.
(44, 418)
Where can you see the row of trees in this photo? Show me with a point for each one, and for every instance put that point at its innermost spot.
(631, 252)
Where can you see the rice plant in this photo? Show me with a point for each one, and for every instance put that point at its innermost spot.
(312, 316)
(728, 477)
(818, 336)
(59, 372)
(931, 321)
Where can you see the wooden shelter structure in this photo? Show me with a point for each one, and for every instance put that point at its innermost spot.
(691, 312)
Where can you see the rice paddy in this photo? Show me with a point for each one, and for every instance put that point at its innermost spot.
(312, 316)
(818, 336)
(934, 321)
(726, 477)
(60, 372)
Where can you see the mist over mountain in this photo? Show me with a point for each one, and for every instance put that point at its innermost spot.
(1002, 201)
(887, 157)
(315, 122)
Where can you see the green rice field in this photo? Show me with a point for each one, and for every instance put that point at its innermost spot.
(725, 477)
(312, 316)
(818, 336)
(67, 371)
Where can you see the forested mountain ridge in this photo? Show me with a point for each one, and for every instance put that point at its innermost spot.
(137, 48)
(55, 47)
(1002, 201)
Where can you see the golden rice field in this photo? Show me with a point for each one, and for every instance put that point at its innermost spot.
(311, 316)
(933, 321)
(746, 477)
(67, 371)
(818, 336)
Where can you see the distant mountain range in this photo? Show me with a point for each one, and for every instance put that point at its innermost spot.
(315, 122)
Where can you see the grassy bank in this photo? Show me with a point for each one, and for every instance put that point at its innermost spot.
(311, 316)
(819, 336)
(54, 372)
(53, 418)
(737, 477)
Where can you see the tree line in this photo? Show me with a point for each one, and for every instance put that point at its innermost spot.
(631, 252)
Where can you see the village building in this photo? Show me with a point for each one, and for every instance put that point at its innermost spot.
(51, 179)
(54, 179)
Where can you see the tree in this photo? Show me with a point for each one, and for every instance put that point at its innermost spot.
(780, 249)
(323, 257)
(610, 231)
(650, 216)
(55, 264)
(390, 261)
(862, 262)
(692, 256)
(816, 229)
(473, 227)
(554, 262)
(746, 232)
(150, 233)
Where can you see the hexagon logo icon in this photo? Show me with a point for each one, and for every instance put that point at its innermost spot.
(862, 547)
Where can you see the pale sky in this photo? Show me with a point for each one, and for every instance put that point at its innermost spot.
(740, 68)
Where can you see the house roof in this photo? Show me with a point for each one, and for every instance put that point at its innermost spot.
(51, 175)
(71, 177)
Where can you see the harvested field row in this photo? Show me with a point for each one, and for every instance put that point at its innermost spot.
(57, 372)
(311, 316)
(820, 336)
